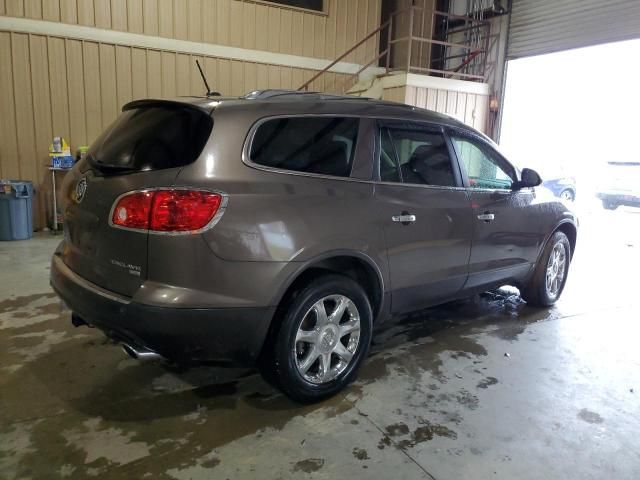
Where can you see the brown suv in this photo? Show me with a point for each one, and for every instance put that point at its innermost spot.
(278, 228)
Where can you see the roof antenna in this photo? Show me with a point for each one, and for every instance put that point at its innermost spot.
(204, 79)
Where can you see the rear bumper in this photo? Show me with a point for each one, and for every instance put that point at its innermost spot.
(229, 335)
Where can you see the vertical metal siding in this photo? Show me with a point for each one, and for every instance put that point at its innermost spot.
(249, 24)
(546, 26)
(469, 108)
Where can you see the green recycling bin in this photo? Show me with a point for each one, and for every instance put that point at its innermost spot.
(16, 210)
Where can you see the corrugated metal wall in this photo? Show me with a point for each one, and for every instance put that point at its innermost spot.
(236, 23)
(545, 26)
(73, 88)
(469, 108)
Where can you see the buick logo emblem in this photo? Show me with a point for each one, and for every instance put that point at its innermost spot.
(81, 189)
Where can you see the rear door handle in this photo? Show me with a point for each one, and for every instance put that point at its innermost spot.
(487, 217)
(404, 218)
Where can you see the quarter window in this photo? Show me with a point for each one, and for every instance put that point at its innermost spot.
(321, 145)
(485, 169)
(416, 156)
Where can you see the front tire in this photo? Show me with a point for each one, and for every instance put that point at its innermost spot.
(609, 205)
(550, 275)
(322, 339)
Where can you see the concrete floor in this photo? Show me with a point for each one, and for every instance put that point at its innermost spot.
(486, 388)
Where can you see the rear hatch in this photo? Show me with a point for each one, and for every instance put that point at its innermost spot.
(144, 148)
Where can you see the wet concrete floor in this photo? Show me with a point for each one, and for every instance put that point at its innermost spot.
(484, 388)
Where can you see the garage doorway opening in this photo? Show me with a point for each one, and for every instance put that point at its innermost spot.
(574, 116)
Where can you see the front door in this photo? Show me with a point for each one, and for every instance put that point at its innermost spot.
(506, 227)
(425, 214)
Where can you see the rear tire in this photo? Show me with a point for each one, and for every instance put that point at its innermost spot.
(313, 355)
(550, 275)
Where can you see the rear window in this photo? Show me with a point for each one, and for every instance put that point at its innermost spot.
(151, 138)
(321, 145)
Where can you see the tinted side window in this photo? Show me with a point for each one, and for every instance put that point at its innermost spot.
(419, 156)
(484, 167)
(323, 145)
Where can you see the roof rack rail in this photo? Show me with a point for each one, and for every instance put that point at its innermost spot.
(271, 93)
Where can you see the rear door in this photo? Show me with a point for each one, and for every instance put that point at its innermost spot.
(508, 228)
(144, 148)
(425, 214)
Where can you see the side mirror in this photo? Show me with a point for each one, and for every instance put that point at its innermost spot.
(529, 178)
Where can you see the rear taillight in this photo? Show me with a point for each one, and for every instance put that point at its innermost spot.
(133, 210)
(183, 210)
(166, 210)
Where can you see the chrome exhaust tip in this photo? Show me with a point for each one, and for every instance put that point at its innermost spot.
(141, 354)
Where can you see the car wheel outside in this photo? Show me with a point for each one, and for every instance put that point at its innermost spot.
(550, 275)
(322, 339)
(568, 195)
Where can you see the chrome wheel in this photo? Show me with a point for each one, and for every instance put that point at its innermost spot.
(556, 269)
(327, 339)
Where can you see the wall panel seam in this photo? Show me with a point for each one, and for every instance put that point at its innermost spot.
(84, 89)
(15, 106)
(33, 107)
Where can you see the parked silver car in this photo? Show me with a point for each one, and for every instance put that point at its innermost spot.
(621, 185)
(278, 228)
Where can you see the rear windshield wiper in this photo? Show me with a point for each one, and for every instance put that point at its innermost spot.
(108, 166)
